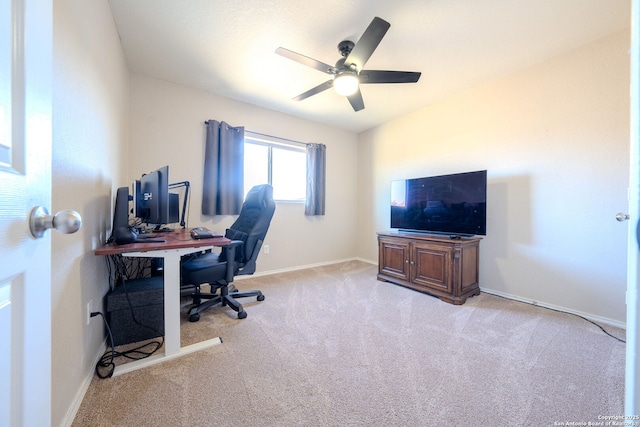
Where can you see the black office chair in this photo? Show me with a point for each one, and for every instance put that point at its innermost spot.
(239, 258)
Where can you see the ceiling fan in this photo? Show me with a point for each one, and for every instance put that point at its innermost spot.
(348, 72)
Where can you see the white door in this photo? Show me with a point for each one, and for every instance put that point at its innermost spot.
(25, 181)
(632, 368)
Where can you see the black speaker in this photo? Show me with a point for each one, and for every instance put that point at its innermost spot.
(124, 235)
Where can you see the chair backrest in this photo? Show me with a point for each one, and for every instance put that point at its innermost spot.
(253, 222)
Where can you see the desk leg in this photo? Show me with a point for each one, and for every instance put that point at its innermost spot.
(171, 314)
(172, 303)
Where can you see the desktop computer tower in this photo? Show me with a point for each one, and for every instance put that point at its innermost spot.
(135, 310)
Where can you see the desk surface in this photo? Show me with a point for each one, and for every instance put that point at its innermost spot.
(172, 240)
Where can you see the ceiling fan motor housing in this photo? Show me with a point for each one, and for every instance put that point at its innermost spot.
(345, 47)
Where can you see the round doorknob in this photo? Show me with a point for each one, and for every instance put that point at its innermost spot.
(622, 217)
(66, 221)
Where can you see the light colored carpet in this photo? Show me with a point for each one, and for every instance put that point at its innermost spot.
(333, 346)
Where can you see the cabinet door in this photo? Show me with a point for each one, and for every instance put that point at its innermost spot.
(393, 257)
(432, 265)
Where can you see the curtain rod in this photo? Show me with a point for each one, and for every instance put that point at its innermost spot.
(273, 136)
(277, 137)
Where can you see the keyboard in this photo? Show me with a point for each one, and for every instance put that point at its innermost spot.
(202, 233)
(143, 238)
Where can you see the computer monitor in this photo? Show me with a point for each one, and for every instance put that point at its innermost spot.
(153, 203)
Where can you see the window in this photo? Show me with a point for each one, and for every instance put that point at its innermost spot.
(283, 165)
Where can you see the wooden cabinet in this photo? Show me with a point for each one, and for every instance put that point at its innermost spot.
(437, 265)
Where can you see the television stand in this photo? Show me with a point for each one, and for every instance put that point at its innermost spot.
(433, 264)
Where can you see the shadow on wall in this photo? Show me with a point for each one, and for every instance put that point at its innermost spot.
(97, 226)
(509, 215)
(509, 222)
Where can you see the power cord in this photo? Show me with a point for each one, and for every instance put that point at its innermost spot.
(565, 312)
(590, 321)
(107, 361)
(104, 361)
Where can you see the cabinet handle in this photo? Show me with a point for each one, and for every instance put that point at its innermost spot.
(406, 261)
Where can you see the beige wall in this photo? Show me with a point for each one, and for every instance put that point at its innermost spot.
(90, 126)
(555, 141)
(167, 128)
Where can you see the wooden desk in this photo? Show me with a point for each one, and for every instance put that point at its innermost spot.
(175, 245)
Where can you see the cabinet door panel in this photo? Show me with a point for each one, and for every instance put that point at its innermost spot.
(394, 258)
(432, 266)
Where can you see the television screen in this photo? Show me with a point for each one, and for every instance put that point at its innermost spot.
(449, 204)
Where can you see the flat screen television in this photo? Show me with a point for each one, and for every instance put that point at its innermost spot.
(454, 204)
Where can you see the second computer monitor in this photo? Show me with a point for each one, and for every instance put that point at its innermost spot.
(151, 197)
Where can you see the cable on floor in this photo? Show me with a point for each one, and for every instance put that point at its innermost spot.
(564, 312)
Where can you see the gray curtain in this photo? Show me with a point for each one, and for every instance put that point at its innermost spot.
(223, 183)
(316, 168)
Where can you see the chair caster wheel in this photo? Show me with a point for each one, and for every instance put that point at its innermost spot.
(242, 314)
(260, 297)
(195, 317)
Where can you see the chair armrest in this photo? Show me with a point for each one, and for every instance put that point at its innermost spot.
(231, 258)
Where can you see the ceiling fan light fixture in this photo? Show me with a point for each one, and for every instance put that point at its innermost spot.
(346, 83)
(348, 69)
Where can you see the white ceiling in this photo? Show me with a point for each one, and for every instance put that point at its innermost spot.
(227, 47)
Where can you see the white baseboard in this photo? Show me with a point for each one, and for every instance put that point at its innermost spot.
(303, 267)
(597, 319)
(77, 400)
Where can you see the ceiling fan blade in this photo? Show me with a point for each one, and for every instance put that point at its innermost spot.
(356, 101)
(321, 87)
(305, 60)
(369, 41)
(376, 76)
